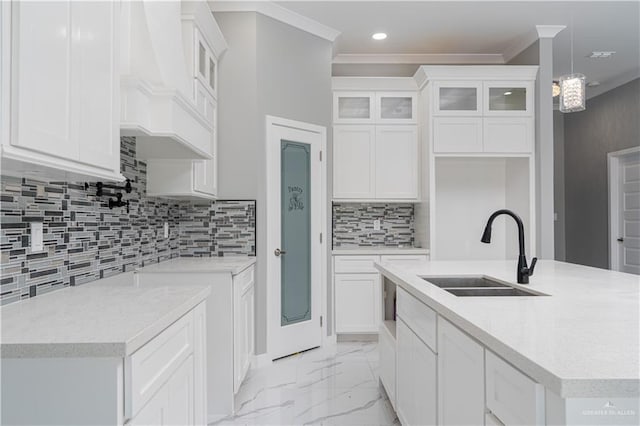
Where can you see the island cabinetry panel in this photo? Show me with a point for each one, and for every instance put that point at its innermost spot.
(416, 378)
(460, 377)
(512, 397)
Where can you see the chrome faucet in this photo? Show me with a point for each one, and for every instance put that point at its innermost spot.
(523, 272)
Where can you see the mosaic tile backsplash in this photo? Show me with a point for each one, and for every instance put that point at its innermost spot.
(84, 240)
(353, 225)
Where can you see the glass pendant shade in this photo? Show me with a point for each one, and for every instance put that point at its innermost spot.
(572, 93)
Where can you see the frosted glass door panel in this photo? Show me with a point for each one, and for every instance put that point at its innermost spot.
(296, 233)
(458, 99)
(354, 108)
(507, 99)
(396, 108)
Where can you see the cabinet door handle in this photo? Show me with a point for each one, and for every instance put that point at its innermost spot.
(279, 252)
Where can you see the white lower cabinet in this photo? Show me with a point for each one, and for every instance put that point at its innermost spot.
(358, 292)
(460, 377)
(243, 313)
(357, 303)
(172, 404)
(230, 333)
(415, 378)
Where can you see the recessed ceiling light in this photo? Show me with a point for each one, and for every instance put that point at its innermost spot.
(379, 36)
(601, 54)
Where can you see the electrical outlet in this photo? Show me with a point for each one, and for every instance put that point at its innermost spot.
(37, 236)
(376, 225)
(166, 229)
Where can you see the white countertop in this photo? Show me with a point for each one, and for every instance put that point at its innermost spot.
(111, 317)
(377, 251)
(232, 264)
(583, 340)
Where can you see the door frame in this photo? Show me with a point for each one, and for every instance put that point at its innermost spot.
(272, 202)
(614, 159)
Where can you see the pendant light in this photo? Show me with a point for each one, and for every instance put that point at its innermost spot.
(572, 87)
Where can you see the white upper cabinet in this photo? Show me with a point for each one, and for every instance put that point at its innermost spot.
(60, 103)
(375, 140)
(485, 110)
(181, 177)
(354, 107)
(375, 162)
(396, 163)
(354, 162)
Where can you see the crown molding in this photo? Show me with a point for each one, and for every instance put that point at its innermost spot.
(420, 59)
(278, 13)
(549, 31)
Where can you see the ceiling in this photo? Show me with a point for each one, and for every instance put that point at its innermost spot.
(481, 32)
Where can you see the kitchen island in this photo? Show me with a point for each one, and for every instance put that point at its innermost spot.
(571, 353)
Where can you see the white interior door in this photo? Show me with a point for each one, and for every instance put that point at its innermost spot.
(626, 241)
(295, 247)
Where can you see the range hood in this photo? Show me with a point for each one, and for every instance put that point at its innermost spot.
(157, 105)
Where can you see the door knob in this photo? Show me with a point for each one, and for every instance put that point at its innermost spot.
(620, 240)
(278, 252)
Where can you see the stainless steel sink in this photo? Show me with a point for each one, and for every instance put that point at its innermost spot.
(489, 292)
(477, 286)
(463, 282)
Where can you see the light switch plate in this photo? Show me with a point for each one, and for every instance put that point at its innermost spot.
(37, 236)
(166, 229)
(376, 225)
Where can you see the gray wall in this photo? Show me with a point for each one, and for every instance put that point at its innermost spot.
(610, 123)
(558, 185)
(529, 56)
(274, 69)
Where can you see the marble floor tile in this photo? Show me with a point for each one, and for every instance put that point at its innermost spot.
(326, 386)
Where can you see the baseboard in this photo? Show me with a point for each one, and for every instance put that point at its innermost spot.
(357, 337)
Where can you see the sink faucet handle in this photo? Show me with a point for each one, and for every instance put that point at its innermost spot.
(533, 265)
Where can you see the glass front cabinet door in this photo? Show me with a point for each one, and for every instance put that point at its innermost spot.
(508, 98)
(396, 107)
(457, 98)
(353, 107)
(206, 65)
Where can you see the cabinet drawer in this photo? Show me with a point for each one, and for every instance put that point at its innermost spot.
(244, 279)
(355, 264)
(512, 397)
(405, 258)
(151, 366)
(418, 316)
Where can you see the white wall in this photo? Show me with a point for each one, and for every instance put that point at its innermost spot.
(269, 69)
